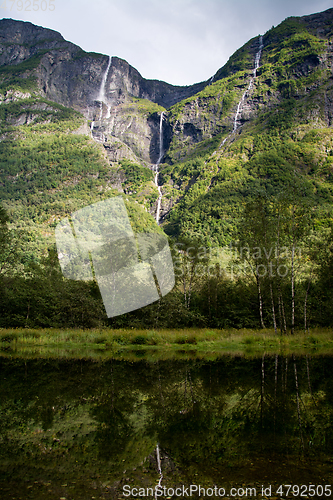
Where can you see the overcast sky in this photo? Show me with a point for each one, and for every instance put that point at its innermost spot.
(178, 41)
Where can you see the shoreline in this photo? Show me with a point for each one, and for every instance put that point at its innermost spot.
(161, 344)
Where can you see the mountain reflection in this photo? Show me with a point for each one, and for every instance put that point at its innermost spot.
(83, 429)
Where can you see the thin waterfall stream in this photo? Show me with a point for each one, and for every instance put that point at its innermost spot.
(102, 93)
(156, 170)
(158, 459)
(241, 102)
(102, 97)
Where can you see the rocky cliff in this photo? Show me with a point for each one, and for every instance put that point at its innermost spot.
(296, 59)
(277, 85)
(74, 78)
(219, 136)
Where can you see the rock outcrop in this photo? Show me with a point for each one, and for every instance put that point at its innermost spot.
(71, 77)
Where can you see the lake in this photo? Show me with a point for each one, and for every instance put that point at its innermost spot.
(236, 427)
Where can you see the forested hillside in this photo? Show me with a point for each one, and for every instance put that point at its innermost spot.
(246, 177)
(284, 131)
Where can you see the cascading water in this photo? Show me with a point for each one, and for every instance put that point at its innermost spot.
(102, 94)
(240, 104)
(256, 66)
(258, 56)
(157, 172)
(102, 99)
(239, 109)
(159, 469)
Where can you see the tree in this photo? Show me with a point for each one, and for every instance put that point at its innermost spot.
(7, 244)
(190, 263)
(256, 242)
(270, 235)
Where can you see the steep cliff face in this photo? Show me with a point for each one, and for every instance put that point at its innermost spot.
(62, 61)
(244, 131)
(125, 80)
(21, 40)
(69, 76)
(296, 59)
(272, 94)
(135, 123)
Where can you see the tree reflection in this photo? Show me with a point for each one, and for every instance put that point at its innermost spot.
(206, 416)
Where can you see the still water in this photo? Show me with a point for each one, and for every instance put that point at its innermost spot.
(235, 427)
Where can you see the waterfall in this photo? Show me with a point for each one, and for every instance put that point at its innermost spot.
(156, 170)
(108, 112)
(258, 56)
(239, 109)
(256, 66)
(98, 134)
(102, 97)
(158, 468)
(240, 104)
(102, 94)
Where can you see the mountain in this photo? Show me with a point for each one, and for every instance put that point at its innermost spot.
(64, 73)
(244, 159)
(283, 126)
(71, 76)
(222, 140)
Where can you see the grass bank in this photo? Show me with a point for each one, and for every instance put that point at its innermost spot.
(126, 343)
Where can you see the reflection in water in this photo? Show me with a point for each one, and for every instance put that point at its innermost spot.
(84, 429)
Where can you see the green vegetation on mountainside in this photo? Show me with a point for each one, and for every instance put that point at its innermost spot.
(214, 190)
(284, 133)
(265, 189)
(145, 107)
(48, 170)
(21, 76)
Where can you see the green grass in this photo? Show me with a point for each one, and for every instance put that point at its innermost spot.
(161, 344)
